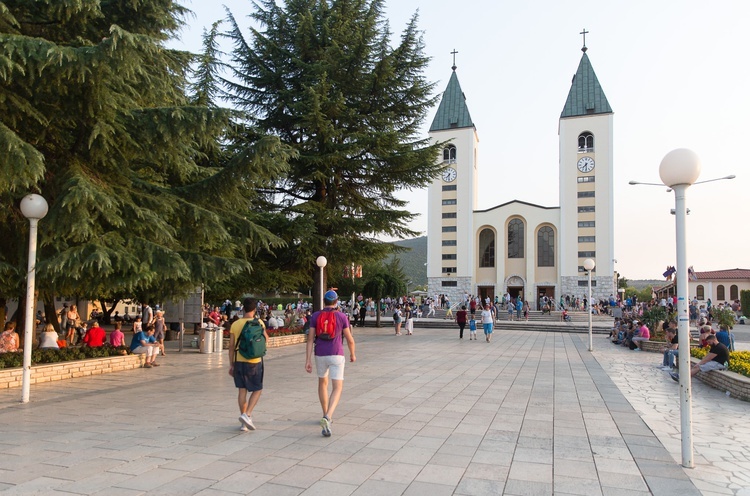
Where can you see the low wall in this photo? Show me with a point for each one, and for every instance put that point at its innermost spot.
(278, 341)
(49, 372)
(736, 384)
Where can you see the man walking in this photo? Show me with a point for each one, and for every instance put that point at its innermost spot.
(329, 355)
(247, 372)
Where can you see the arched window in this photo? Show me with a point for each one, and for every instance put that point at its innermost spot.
(545, 240)
(515, 238)
(720, 292)
(486, 248)
(734, 292)
(700, 292)
(449, 154)
(585, 142)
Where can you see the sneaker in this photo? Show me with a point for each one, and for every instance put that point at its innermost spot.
(325, 423)
(154, 364)
(636, 349)
(667, 369)
(146, 365)
(244, 428)
(675, 376)
(247, 421)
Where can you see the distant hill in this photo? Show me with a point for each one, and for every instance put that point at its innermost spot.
(413, 260)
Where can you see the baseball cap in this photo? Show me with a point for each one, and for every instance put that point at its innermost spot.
(331, 296)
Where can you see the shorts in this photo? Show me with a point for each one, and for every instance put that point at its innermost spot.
(248, 375)
(487, 328)
(333, 364)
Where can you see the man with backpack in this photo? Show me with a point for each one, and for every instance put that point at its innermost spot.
(247, 345)
(328, 328)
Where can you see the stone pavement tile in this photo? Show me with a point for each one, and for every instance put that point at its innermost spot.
(533, 472)
(573, 485)
(403, 434)
(574, 453)
(616, 466)
(486, 471)
(622, 481)
(273, 465)
(501, 446)
(533, 455)
(440, 474)
(38, 485)
(269, 489)
(121, 491)
(351, 473)
(574, 468)
(371, 456)
(191, 461)
(325, 460)
(149, 480)
(470, 486)
(661, 486)
(94, 483)
(344, 447)
(387, 443)
(402, 473)
(300, 476)
(565, 441)
(514, 487)
(139, 466)
(418, 488)
(451, 460)
(424, 442)
(217, 470)
(327, 488)
(544, 443)
(614, 491)
(182, 486)
(380, 488)
(81, 470)
(414, 455)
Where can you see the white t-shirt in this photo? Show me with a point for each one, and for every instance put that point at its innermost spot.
(486, 317)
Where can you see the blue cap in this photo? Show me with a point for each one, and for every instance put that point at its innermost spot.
(331, 296)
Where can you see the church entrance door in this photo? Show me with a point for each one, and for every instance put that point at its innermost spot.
(515, 291)
(541, 292)
(486, 292)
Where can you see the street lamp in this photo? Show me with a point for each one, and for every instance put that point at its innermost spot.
(34, 208)
(589, 265)
(321, 262)
(679, 169)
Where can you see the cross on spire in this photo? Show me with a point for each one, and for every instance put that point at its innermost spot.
(454, 52)
(584, 33)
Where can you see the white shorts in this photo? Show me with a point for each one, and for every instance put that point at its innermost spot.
(331, 363)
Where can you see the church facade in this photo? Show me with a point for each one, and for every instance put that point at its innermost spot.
(526, 249)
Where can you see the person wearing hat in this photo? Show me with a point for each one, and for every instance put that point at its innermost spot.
(329, 355)
(717, 358)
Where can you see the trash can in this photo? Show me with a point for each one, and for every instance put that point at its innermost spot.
(219, 343)
(206, 341)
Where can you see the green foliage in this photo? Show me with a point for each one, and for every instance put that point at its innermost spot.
(328, 80)
(745, 301)
(725, 316)
(39, 357)
(642, 294)
(653, 316)
(96, 117)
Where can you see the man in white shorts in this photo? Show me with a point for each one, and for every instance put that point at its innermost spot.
(328, 328)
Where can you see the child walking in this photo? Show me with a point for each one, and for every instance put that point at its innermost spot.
(472, 330)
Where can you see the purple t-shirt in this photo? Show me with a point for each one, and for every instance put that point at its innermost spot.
(335, 346)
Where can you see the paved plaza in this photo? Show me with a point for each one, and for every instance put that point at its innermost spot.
(530, 413)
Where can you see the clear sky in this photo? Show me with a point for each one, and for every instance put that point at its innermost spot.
(675, 72)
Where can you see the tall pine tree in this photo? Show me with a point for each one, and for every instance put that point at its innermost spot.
(95, 115)
(324, 76)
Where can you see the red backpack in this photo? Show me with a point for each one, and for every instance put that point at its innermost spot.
(325, 327)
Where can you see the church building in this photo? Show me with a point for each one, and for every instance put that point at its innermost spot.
(526, 249)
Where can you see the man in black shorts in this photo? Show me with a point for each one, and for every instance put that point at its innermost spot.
(247, 372)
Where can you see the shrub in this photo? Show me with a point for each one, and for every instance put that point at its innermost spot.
(739, 361)
(39, 357)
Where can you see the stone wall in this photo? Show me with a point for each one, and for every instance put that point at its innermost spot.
(10, 378)
(455, 293)
(604, 287)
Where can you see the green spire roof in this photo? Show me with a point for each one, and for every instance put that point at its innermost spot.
(452, 112)
(586, 96)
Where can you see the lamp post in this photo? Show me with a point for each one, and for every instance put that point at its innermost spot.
(589, 265)
(34, 208)
(679, 169)
(321, 262)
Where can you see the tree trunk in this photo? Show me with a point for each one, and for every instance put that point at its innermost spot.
(50, 313)
(108, 311)
(3, 315)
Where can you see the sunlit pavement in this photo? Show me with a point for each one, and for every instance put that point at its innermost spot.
(529, 413)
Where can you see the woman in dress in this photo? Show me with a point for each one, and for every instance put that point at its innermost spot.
(71, 326)
(159, 328)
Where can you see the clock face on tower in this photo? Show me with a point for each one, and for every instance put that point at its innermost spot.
(449, 174)
(586, 164)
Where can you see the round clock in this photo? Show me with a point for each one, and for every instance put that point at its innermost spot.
(449, 174)
(586, 164)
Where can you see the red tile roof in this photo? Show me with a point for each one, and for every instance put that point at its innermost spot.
(723, 274)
